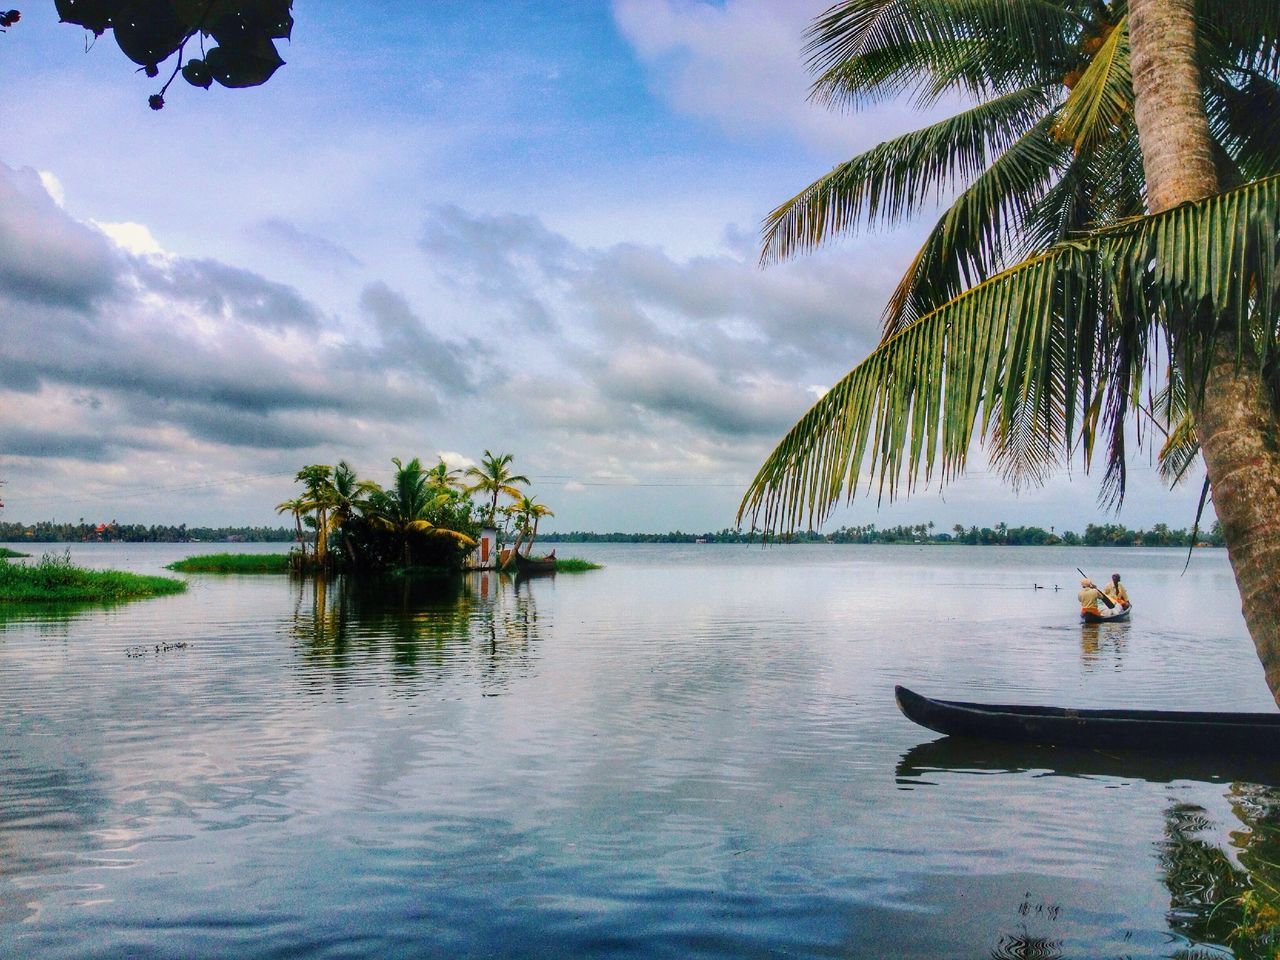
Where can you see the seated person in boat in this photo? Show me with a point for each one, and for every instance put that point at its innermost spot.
(1116, 591)
(1089, 594)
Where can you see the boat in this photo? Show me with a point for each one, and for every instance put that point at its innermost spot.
(1116, 615)
(1170, 731)
(531, 565)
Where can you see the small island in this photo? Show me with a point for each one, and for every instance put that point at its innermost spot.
(54, 578)
(251, 563)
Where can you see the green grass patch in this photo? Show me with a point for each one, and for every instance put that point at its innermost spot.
(7, 554)
(233, 563)
(576, 565)
(56, 579)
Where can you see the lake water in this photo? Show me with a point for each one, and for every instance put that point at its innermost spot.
(691, 753)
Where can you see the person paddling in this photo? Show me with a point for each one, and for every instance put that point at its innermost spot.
(1090, 597)
(1116, 591)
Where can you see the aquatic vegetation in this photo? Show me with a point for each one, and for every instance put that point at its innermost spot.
(576, 565)
(7, 554)
(55, 578)
(233, 563)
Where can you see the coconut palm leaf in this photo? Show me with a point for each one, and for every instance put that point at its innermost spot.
(1102, 97)
(969, 240)
(901, 176)
(1082, 314)
(1026, 38)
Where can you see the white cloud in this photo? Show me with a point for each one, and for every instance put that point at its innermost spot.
(134, 238)
(53, 186)
(741, 63)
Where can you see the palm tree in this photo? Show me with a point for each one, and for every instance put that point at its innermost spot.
(296, 506)
(443, 478)
(1051, 350)
(528, 509)
(405, 507)
(317, 481)
(347, 494)
(493, 477)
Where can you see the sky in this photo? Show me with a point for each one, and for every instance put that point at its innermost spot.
(442, 229)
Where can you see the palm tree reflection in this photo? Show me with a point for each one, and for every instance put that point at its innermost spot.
(1223, 885)
(1227, 895)
(409, 632)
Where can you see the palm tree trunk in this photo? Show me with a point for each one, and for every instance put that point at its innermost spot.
(1236, 422)
(532, 537)
(322, 536)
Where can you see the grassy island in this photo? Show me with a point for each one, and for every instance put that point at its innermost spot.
(56, 579)
(7, 554)
(233, 563)
(576, 565)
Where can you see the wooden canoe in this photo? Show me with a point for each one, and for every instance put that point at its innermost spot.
(1169, 731)
(1120, 617)
(528, 565)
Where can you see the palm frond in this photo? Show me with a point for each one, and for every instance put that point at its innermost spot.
(926, 72)
(968, 242)
(1242, 117)
(912, 409)
(1021, 37)
(902, 175)
(1103, 96)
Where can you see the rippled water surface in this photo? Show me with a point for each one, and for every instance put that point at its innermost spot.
(691, 753)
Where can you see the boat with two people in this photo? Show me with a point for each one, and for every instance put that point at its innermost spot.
(1108, 605)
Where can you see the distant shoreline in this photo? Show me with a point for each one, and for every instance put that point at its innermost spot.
(922, 534)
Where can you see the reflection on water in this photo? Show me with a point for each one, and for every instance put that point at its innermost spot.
(691, 753)
(418, 628)
(1221, 893)
(1226, 894)
(1102, 645)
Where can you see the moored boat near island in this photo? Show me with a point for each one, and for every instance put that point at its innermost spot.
(532, 565)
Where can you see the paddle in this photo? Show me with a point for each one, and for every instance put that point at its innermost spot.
(1101, 596)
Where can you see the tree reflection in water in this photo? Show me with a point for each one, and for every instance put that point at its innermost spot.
(415, 630)
(1229, 897)
(1222, 896)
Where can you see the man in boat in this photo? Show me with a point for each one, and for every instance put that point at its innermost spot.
(1089, 594)
(1116, 591)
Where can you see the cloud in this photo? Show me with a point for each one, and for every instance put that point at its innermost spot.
(45, 256)
(281, 235)
(407, 343)
(136, 344)
(740, 63)
(682, 387)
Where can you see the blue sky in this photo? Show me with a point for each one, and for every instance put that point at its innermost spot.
(440, 228)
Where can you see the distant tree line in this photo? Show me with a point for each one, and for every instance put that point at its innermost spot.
(1095, 535)
(49, 531)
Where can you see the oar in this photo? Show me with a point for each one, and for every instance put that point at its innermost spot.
(1101, 596)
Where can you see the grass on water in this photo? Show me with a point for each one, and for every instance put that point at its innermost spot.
(55, 578)
(576, 565)
(233, 563)
(7, 554)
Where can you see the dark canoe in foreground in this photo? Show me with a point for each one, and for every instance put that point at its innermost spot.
(528, 565)
(1106, 617)
(1167, 731)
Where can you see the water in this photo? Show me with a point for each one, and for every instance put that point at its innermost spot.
(691, 753)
